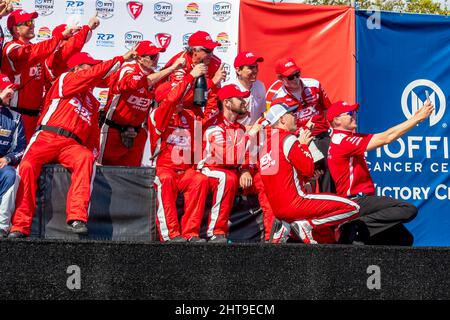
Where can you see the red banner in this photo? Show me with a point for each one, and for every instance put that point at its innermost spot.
(321, 39)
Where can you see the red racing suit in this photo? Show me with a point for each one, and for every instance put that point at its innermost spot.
(224, 145)
(23, 64)
(172, 139)
(128, 105)
(188, 101)
(56, 63)
(67, 134)
(285, 166)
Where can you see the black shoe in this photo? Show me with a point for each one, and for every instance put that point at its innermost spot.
(77, 226)
(280, 232)
(353, 232)
(220, 238)
(196, 239)
(177, 239)
(16, 235)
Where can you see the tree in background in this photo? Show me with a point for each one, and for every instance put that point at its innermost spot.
(412, 6)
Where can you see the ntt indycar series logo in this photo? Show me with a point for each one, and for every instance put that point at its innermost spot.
(132, 38)
(162, 11)
(414, 96)
(44, 7)
(186, 37)
(105, 8)
(221, 11)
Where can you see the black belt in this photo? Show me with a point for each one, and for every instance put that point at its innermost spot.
(61, 132)
(119, 127)
(28, 112)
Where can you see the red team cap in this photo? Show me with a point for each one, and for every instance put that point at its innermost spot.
(81, 58)
(59, 29)
(286, 67)
(279, 107)
(148, 48)
(340, 107)
(19, 16)
(202, 39)
(230, 91)
(246, 58)
(5, 82)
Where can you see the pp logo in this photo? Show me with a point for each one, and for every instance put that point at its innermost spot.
(413, 98)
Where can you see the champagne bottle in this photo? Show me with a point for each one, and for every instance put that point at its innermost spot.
(200, 91)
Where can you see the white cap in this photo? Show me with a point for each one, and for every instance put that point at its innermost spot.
(276, 111)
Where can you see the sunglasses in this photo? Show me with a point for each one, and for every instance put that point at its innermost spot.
(350, 113)
(28, 23)
(293, 76)
(208, 51)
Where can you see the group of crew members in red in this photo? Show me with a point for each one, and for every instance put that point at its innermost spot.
(301, 156)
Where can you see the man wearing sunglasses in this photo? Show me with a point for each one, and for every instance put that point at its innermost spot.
(22, 62)
(200, 50)
(130, 98)
(348, 167)
(313, 102)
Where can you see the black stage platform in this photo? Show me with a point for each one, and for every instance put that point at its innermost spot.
(84, 269)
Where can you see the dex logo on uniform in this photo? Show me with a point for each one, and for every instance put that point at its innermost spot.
(413, 98)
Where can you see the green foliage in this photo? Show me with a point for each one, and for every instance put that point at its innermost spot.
(413, 6)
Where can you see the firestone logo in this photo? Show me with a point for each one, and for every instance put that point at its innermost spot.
(132, 38)
(414, 96)
(162, 11)
(163, 39)
(44, 7)
(134, 8)
(105, 8)
(221, 11)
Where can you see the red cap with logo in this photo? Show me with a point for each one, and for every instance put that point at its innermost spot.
(81, 58)
(286, 67)
(202, 39)
(148, 48)
(5, 82)
(19, 16)
(230, 91)
(246, 58)
(340, 107)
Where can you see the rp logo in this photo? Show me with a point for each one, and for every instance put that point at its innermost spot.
(163, 39)
(134, 8)
(413, 98)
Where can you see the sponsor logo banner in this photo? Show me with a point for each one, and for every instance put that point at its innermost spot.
(162, 11)
(105, 8)
(44, 7)
(134, 8)
(132, 38)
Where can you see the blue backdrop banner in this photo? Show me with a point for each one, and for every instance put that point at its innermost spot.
(400, 59)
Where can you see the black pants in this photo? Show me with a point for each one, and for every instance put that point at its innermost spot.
(326, 183)
(381, 213)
